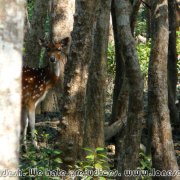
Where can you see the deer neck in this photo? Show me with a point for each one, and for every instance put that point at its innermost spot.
(53, 71)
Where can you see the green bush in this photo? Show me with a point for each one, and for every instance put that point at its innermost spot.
(45, 159)
(143, 50)
(30, 8)
(144, 164)
(111, 64)
(95, 160)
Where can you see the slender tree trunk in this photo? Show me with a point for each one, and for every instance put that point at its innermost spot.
(94, 112)
(148, 19)
(135, 9)
(135, 85)
(27, 24)
(172, 62)
(71, 137)
(163, 156)
(11, 40)
(120, 67)
(37, 31)
(61, 26)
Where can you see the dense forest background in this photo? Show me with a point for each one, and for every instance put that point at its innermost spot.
(116, 104)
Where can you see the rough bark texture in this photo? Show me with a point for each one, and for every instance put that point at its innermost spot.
(148, 19)
(163, 156)
(11, 40)
(172, 62)
(62, 18)
(135, 8)
(36, 31)
(94, 111)
(71, 138)
(135, 86)
(120, 67)
(62, 12)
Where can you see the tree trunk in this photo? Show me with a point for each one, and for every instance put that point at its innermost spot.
(148, 19)
(61, 26)
(11, 40)
(95, 94)
(120, 67)
(172, 62)
(163, 156)
(62, 18)
(36, 31)
(135, 86)
(135, 9)
(71, 138)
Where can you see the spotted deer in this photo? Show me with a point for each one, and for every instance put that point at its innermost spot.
(36, 82)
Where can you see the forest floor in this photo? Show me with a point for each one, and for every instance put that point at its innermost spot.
(48, 123)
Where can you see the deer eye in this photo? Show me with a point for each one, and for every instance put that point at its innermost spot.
(48, 49)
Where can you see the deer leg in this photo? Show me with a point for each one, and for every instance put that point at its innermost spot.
(31, 115)
(24, 125)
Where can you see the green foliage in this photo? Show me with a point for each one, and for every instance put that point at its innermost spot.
(144, 164)
(30, 8)
(96, 160)
(45, 159)
(143, 50)
(140, 27)
(111, 59)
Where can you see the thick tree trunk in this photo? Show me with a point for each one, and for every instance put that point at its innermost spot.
(135, 84)
(36, 31)
(94, 110)
(71, 138)
(172, 62)
(163, 156)
(62, 18)
(61, 26)
(11, 40)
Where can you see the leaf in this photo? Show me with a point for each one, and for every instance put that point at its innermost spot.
(102, 178)
(100, 149)
(91, 156)
(88, 167)
(88, 178)
(57, 152)
(58, 160)
(98, 166)
(103, 156)
(88, 149)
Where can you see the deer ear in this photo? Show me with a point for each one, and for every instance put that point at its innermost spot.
(64, 42)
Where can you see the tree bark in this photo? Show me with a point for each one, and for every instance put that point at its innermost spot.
(148, 19)
(135, 87)
(61, 26)
(115, 131)
(11, 40)
(172, 62)
(163, 156)
(71, 137)
(36, 31)
(62, 18)
(135, 9)
(95, 93)
(120, 67)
